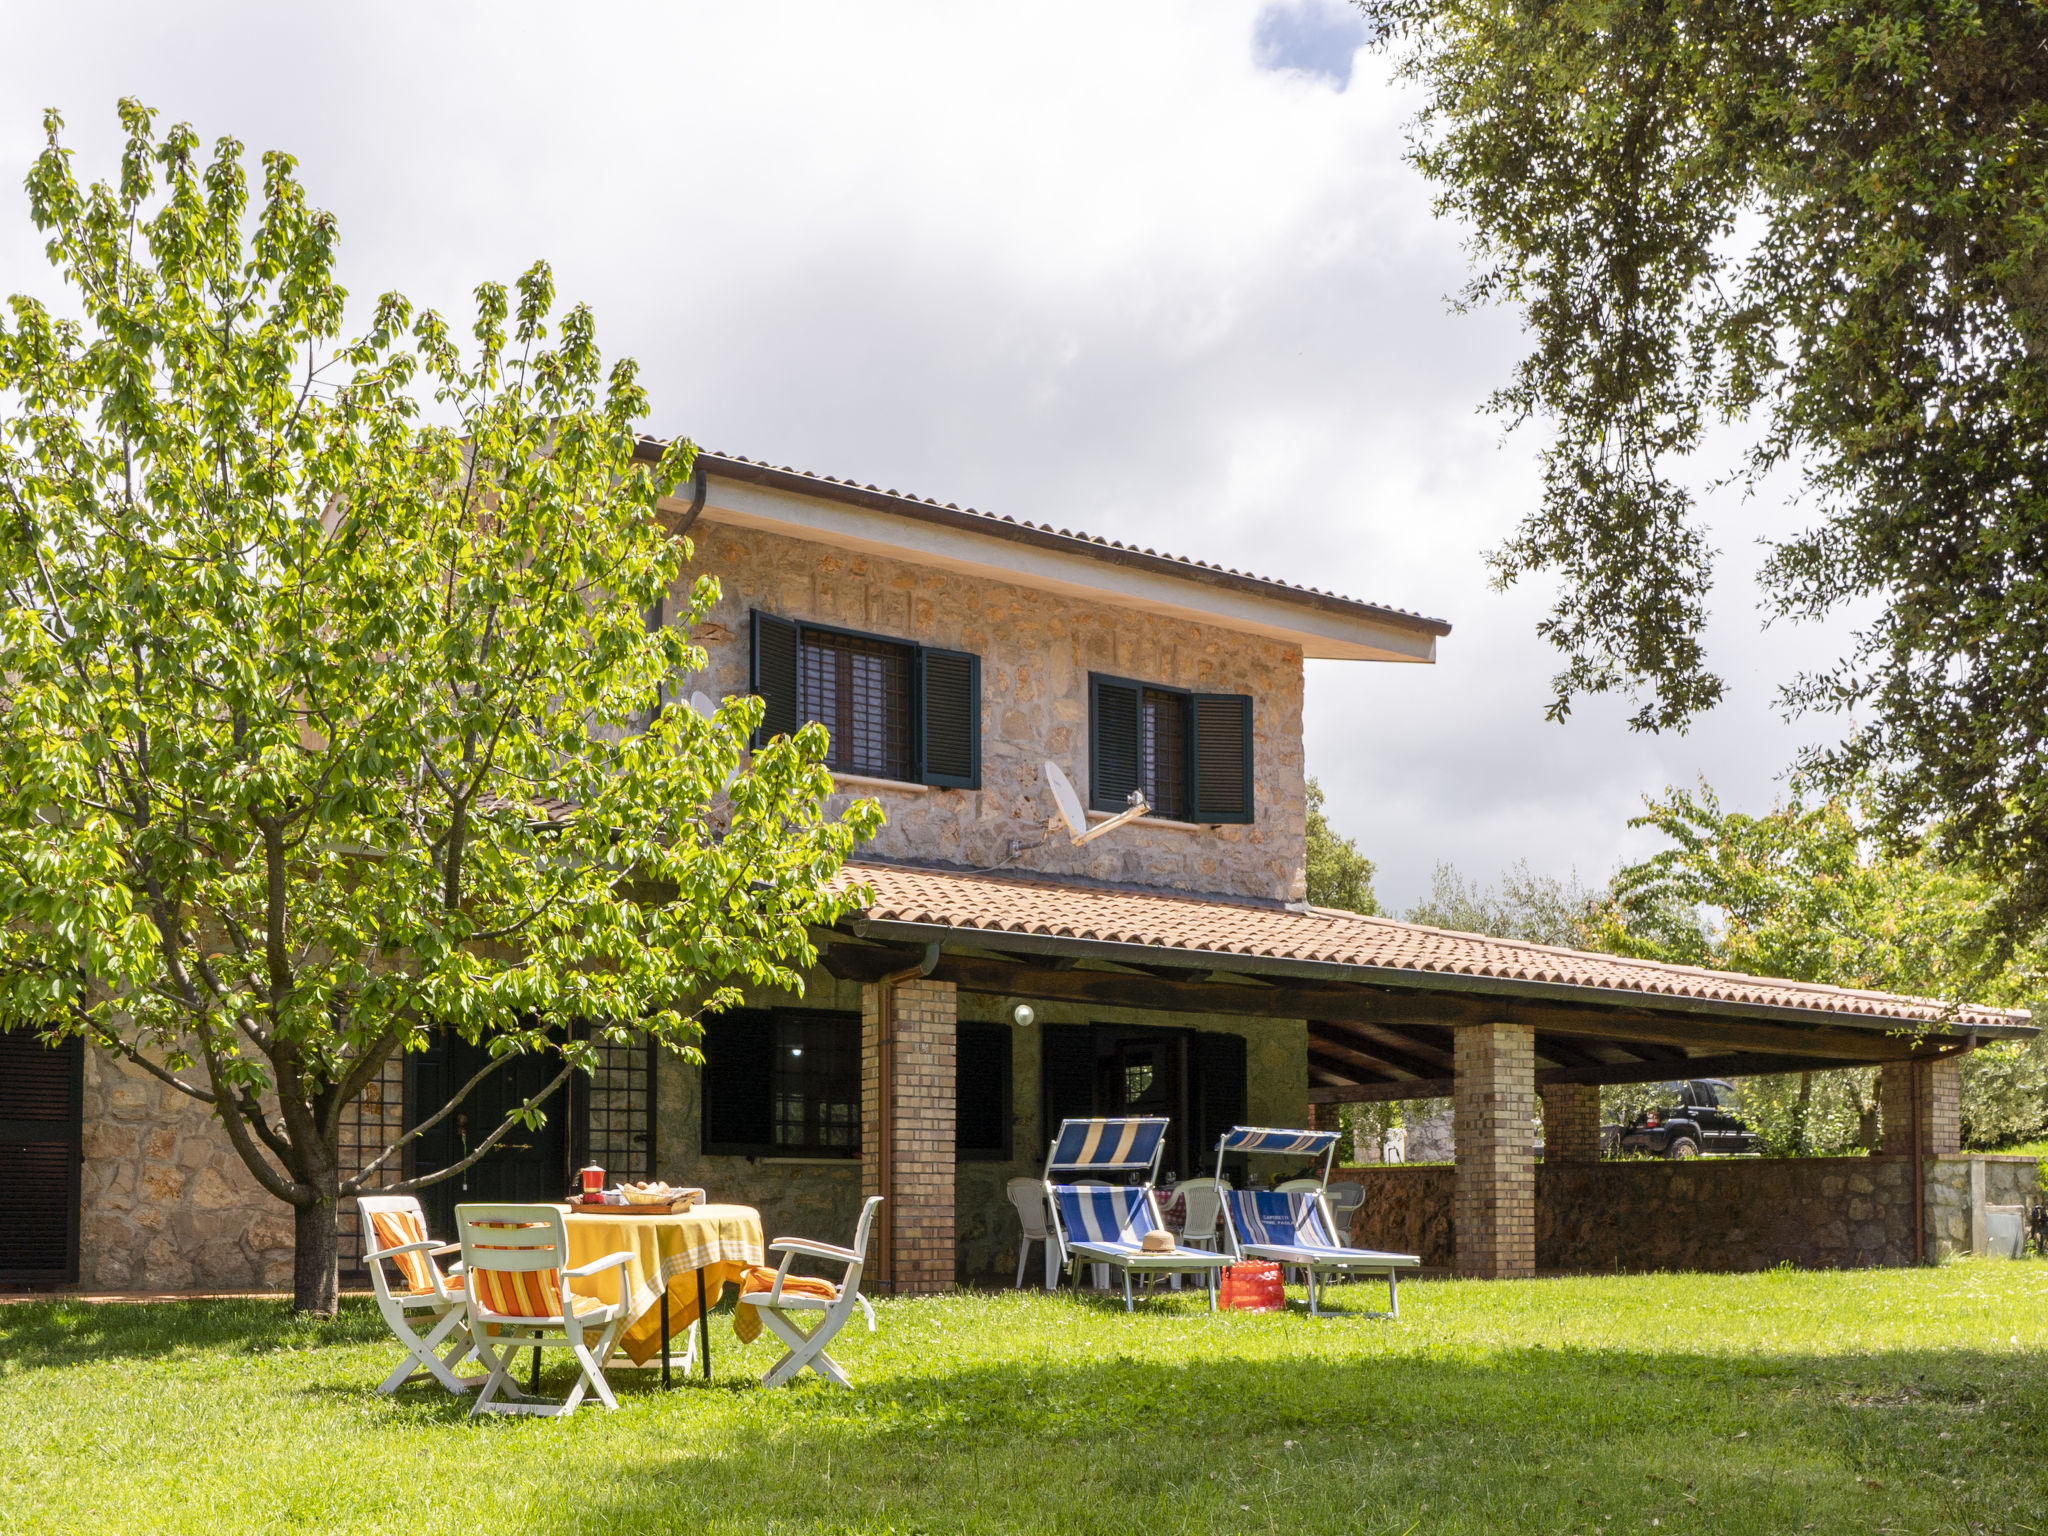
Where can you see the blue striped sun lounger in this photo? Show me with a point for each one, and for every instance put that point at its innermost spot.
(1107, 1146)
(1102, 1224)
(1292, 1227)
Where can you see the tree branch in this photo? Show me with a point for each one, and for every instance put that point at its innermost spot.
(354, 1185)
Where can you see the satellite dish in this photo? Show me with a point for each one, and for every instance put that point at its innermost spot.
(1066, 798)
(1069, 802)
(701, 702)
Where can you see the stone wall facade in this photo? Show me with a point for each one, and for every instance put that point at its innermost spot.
(1036, 651)
(167, 1204)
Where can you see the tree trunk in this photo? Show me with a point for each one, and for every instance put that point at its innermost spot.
(1800, 1113)
(316, 1286)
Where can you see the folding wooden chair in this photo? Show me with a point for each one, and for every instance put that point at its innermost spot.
(515, 1265)
(777, 1308)
(395, 1235)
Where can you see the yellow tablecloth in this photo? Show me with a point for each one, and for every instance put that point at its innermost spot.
(720, 1240)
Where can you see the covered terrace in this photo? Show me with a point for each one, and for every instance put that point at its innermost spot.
(1509, 1031)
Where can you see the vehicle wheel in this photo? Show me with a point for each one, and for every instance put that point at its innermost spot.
(1682, 1150)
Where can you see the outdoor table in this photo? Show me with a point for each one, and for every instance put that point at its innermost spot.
(680, 1267)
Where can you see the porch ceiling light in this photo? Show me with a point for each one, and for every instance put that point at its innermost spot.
(1025, 1015)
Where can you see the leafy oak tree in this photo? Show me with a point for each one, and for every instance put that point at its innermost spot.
(1828, 219)
(324, 718)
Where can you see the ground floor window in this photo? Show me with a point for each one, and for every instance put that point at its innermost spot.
(782, 1082)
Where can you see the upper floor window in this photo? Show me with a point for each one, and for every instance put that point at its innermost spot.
(894, 709)
(1191, 753)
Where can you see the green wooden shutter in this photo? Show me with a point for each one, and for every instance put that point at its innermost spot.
(1066, 1077)
(739, 1083)
(774, 675)
(981, 1091)
(1220, 1094)
(1222, 757)
(41, 1096)
(949, 718)
(1113, 769)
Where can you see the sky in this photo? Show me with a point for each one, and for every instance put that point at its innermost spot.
(1159, 271)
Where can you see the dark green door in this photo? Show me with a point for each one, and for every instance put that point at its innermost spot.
(526, 1165)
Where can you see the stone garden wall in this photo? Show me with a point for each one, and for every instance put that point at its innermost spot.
(1715, 1214)
(1959, 1186)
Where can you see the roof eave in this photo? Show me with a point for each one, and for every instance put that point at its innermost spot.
(1415, 980)
(984, 526)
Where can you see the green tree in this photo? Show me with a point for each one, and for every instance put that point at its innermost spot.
(1803, 893)
(1338, 874)
(323, 711)
(1831, 221)
(1538, 909)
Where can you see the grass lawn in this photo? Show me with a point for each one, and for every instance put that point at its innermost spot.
(1874, 1401)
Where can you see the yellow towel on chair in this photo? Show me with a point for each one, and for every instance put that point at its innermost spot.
(746, 1320)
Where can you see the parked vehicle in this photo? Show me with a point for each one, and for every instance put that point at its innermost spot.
(1688, 1119)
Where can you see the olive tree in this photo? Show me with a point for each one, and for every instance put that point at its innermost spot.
(325, 719)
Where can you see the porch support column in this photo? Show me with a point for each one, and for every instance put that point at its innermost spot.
(908, 1046)
(1938, 1086)
(1920, 1117)
(1571, 1123)
(1493, 1121)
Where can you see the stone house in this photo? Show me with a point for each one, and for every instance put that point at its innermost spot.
(1171, 966)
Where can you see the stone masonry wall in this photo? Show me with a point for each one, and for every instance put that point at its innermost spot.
(1407, 1210)
(1036, 651)
(167, 1203)
(1959, 1186)
(1638, 1214)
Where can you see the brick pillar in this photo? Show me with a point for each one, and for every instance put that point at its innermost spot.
(917, 1221)
(1493, 1121)
(1571, 1123)
(1939, 1085)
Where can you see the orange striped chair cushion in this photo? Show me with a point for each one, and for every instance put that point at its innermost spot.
(395, 1229)
(524, 1293)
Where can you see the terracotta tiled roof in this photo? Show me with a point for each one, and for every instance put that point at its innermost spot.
(1227, 929)
(738, 465)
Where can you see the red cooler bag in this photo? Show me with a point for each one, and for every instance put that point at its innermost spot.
(1252, 1288)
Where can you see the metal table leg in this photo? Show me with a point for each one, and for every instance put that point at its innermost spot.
(536, 1372)
(664, 1337)
(703, 1325)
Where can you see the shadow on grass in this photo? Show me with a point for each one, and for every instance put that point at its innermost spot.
(60, 1332)
(1536, 1439)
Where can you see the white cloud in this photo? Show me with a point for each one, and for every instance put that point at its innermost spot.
(1153, 269)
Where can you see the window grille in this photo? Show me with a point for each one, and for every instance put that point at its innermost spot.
(371, 1123)
(860, 690)
(618, 1111)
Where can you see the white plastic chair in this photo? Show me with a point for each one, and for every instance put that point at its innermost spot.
(1028, 1195)
(1204, 1211)
(424, 1294)
(515, 1263)
(808, 1349)
(1344, 1200)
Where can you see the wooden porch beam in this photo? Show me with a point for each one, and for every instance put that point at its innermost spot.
(1395, 1012)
